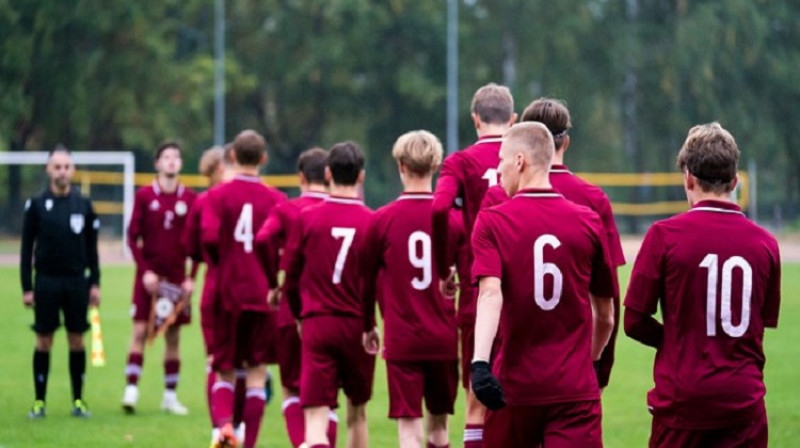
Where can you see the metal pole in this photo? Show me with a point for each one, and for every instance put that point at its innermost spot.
(452, 76)
(219, 74)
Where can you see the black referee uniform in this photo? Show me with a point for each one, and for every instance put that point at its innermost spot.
(59, 240)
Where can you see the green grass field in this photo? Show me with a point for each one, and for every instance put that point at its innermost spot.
(626, 421)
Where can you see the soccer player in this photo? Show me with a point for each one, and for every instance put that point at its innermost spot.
(716, 276)
(154, 233)
(324, 289)
(214, 166)
(274, 234)
(465, 176)
(545, 279)
(398, 262)
(60, 228)
(555, 116)
(243, 326)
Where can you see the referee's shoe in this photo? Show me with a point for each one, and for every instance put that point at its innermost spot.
(80, 410)
(37, 411)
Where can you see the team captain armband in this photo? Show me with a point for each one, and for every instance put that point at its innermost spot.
(168, 303)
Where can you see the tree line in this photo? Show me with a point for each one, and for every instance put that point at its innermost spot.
(636, 74)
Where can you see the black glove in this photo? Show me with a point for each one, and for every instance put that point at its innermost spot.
(596, 366)
(486, 387)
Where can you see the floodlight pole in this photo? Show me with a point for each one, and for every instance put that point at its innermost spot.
(219, 74)
(452, 76)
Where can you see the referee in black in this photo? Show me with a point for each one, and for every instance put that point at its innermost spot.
(59, 239)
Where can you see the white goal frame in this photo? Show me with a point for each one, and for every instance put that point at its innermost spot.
(124, 158)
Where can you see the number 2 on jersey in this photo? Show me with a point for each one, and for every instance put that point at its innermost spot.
(711, 262)
(243, 232)
(347, 234)
(420, 259)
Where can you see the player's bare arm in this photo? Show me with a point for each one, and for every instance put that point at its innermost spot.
(603, 314)
(490, 302)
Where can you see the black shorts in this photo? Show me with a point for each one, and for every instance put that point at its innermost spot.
(52, 294)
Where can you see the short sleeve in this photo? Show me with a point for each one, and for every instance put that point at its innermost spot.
(486, 253)
(646, 281)
(604, 279)
(772, 301)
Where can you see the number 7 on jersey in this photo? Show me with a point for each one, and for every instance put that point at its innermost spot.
(347, 234)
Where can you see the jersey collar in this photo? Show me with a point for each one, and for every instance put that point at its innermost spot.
(246, 178)
(559, 169)
(537, 193)
(314, 194)
(415, 195)
(711, 205)
(158, 191)
(343, 200)
(489, 139)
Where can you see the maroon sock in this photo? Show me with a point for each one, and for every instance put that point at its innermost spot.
(473, 436)
(222, 403)
(295, 421)
(134, 368)
(333, 426)
(172, 368)
(254, 404)
(211, 378)
(431, 445)
(319, 445)
(240, 390)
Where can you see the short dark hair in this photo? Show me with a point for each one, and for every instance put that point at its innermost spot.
(346, 161)
(493, 104)
(59, 148)
(312, 164)
(711, 155)
(249, 147)
(167, 144)
(552, 113)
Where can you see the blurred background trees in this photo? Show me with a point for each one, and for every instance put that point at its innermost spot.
(636, 75)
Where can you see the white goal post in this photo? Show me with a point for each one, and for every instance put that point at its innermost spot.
(123, 158)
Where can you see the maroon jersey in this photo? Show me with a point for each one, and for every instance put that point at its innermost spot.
(467, 293)
(234, 209)
(467, 175)
(415, 314)
(275, 233)
(192, 243)
(157, 224)
(323, 267)
(581, 192)
(717, 277)
(549, 254)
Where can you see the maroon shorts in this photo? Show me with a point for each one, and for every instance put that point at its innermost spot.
(143, 301)
(467, 351)
(751, 434)
(410, 381)
(242, 338)
(562, 425)
(289, 348)
(333, 356)
(209, 308)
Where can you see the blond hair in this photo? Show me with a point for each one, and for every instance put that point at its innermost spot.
(419, 151)
(211, 159)
(711, 155)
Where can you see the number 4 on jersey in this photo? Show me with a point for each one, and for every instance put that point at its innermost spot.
(491, 176)
(243, 233)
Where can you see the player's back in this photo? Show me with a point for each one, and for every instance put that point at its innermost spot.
(476, 169)
(721, 286)
(236, 209)
(584, 193)
(332, 234)
(414, 310)
(552, 254)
